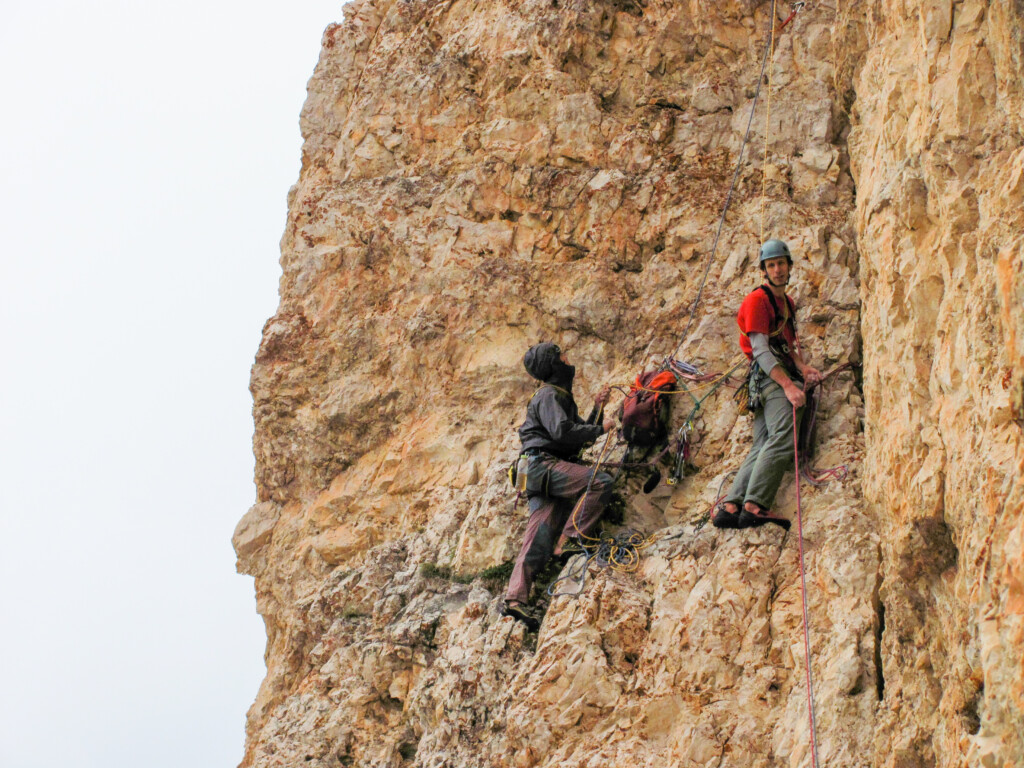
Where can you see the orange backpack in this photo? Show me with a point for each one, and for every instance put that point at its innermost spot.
(645, 410)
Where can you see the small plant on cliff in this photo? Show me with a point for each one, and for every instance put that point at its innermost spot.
(435, 571)
(496, 573)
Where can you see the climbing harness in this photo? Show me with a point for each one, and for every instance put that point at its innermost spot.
(803, 597)
(519, 475)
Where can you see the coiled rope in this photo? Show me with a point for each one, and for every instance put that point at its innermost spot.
(620, 552)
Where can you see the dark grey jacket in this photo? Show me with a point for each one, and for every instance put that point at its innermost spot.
(553, 424)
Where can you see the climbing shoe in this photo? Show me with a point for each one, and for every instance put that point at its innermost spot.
(571, 548)
(756, 520)
(723, 518)
(520, 613)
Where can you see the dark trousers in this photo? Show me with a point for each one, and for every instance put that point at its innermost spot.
(771, 455)
(551, 514)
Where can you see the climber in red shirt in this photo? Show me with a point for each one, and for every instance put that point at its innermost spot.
(778, 374)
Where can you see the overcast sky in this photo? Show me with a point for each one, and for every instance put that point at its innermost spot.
(146, 151)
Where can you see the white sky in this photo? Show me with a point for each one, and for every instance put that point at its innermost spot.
(146, 151)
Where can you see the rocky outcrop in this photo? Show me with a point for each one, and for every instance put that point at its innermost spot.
(938, 156)
(479, 176)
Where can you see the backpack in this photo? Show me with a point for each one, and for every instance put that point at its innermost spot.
(645, 409)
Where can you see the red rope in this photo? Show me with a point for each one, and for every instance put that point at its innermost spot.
(803, 596)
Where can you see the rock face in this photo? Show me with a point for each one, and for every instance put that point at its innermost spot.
(938, 158)
(477, 177)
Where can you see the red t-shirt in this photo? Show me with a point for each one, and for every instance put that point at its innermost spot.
(757, 316)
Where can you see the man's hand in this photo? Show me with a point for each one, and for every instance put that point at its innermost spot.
(812, 376)
(602, 397)
(608, 425)
(794, 394)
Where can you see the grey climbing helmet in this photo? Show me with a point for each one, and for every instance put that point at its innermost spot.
(773, 249)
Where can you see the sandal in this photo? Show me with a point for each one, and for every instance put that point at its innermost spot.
(723, 518)
(763, 516)
(519, 613)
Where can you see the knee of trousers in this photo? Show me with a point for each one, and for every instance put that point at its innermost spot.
(780, 451)
(603, 486)
(536, 501)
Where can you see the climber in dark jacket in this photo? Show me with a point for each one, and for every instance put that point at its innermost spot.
(552, 436)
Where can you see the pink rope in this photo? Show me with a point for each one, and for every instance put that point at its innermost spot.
(803, 597)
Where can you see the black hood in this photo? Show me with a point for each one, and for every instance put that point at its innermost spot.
(540, 360)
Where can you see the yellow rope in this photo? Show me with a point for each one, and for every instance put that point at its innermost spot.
(767, 117)
(636, 542)
(583, 498)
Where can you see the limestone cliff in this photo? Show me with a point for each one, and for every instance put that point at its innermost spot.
(480, 176)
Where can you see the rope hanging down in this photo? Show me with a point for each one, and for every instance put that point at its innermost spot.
(735, 178)
(768, 110)
(767, 125)
(814, 476)
(803, 597)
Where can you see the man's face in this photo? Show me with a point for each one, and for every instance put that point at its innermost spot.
(777, 270)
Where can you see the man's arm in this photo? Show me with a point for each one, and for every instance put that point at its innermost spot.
(599, 403)
(560, 426)
(767, 361)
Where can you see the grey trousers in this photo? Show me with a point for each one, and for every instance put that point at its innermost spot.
(771, 456)
(551, 515)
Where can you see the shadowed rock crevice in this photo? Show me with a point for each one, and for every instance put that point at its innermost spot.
(879, 639)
